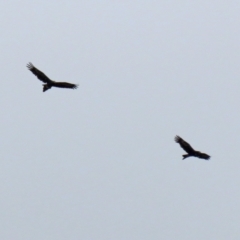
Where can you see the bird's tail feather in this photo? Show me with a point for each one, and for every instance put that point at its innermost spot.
(185, 156)
(46, 87)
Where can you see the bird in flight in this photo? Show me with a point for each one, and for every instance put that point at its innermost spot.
(190, 151)
(49, 83)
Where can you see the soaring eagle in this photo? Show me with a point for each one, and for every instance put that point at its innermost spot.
(190, 151)
(49, 83)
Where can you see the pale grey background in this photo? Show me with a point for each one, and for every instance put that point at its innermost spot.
(100, 162)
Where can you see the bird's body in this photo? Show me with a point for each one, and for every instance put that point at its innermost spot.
(190, 151)
(48, 82)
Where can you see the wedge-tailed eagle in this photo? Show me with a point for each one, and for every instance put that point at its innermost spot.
(190, 151)
(49, 83)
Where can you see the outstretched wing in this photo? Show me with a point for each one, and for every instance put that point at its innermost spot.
(186, 146)
(65, 85)
(40, 75)
(202, 155)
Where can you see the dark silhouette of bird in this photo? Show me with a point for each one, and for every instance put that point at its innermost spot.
(49, 83)
(190, 151)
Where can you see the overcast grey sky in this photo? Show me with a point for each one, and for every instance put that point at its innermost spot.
(100, 162)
